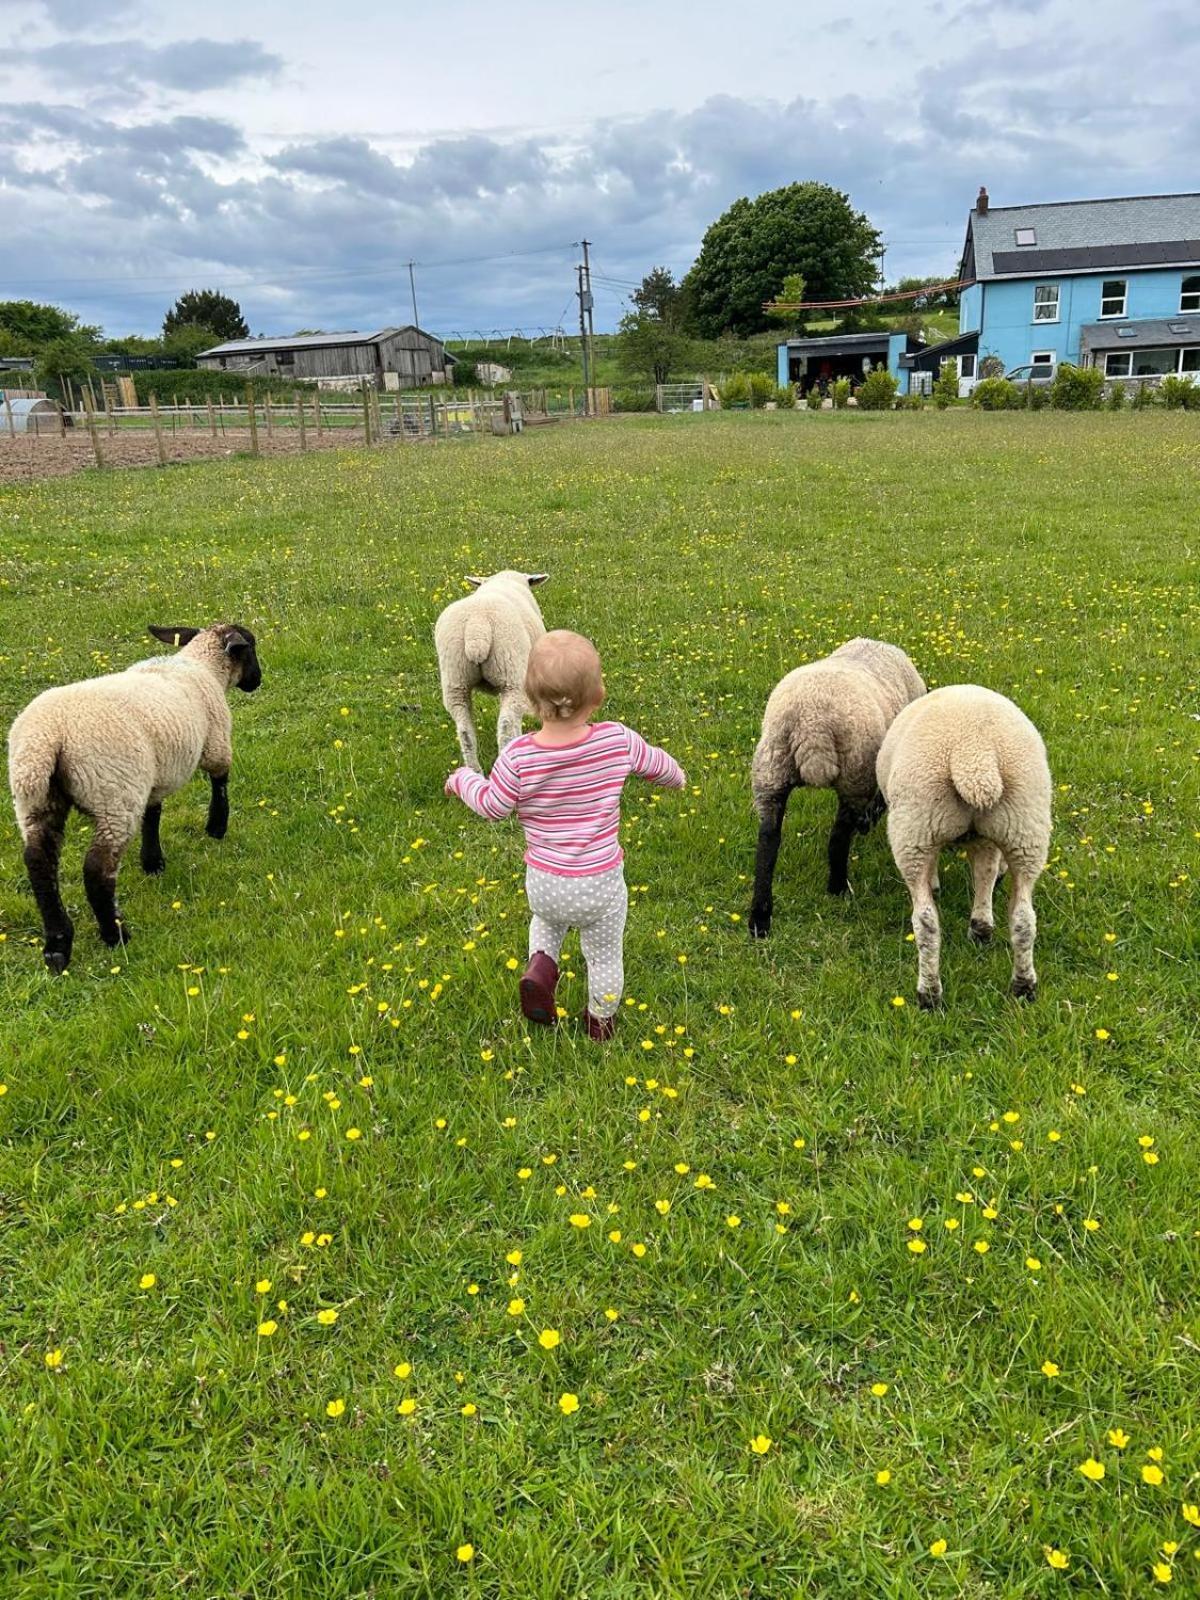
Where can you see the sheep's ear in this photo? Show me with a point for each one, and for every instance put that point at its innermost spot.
(175, 636)
(474, 582)
(236, 645)
(536, 577)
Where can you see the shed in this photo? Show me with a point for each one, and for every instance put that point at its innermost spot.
(29, 416)
(844, 355)
(391, 358)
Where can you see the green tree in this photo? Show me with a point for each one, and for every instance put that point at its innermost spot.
(792, 289)
(659, 296)
(69, 358)
(648, 348)
(33, 325)
(945, 390)
(806, 228)
(207, 308)
(186, 341)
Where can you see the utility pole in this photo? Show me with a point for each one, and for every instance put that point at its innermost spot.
(412, 284)
(587, 286)
(584, 299)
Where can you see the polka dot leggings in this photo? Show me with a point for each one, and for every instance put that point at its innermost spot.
(597, 905)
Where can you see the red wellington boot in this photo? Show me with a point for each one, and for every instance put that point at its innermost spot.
(599, 1028)
(537, 990)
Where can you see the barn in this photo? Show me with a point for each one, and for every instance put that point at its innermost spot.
(393, 358)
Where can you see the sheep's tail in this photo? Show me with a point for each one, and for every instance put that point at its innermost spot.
(33, 775)
(975, 774)
(477, 640)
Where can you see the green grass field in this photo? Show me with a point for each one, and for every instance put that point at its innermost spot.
(304, 1087)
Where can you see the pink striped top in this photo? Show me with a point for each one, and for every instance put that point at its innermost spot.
(567, 799)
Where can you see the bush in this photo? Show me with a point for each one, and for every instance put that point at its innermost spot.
(911, 402)
(1143, 396)
(945, 389)
(200, 385)
(1116, 399)
(1076, 388)
(816, 397)
(785, 398)
(466, 375)
(839, 389)
(735, 391)
(996, 394)
(991, 367)
(1035, 397)
(877, 392)
(762, 388)
(633, 399)
(1179, 394)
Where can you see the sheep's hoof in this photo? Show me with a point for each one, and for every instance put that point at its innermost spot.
(153, 865)
(1024, 989)
(980, 932)
(115, 935)
(214, 830)
(839, 888)
(56, 953)
(760, 924)
(930, 999)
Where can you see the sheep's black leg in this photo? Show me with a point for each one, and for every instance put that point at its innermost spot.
(100, 880)
(152, 856)
(770, 832)
(43, 848)
(846, 824)
(218, 807)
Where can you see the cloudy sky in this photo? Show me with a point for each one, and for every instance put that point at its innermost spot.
(299, 156)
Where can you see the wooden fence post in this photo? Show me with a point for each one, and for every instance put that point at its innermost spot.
(267, 410)
(212, 418)
(366, 414)
(252, 419)
(90, 411)
(317, 410)
(300, 423)
(8, 416)
(158, 438)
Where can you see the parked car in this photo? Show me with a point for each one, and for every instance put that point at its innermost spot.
(1038, 372)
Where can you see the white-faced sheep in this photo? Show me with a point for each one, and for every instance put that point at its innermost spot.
(115, 747)
(822, 729)
(483, 642)
(964, 766)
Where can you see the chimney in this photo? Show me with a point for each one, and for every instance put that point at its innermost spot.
(981, 205)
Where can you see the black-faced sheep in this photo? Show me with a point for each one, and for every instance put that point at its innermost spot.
(115, 747)
(483, 642)
(965, 766)
(822, 729)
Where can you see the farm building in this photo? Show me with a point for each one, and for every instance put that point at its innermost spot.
(847, 355)
(393, 358)
(26, 415)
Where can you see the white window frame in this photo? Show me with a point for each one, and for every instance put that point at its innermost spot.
(1190, 294)
(1031, 239)
(965, 371)
(1189, 350)
(1039, 305)
(1042, 358)
(1121, 355)
(1106, 299)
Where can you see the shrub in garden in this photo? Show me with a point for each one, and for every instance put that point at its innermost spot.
(991, 367)
(1179, 393)
(877, 392)
(1116, 399)
(911, 402)
(633, 399)
(839, 389)
(762, 389)
(785, 398)
(1143, 396)
(1076, 388)
(736, 391)
(996, 394)
(945, 388)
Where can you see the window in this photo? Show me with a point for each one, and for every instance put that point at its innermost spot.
(966, 366)
(1042, 358)
(1026, 235)
(1045, 302)
(1112, 297)
(1118, 363)
(286, 358)
(1189, 295)
(1154, 363)
(1189, 361)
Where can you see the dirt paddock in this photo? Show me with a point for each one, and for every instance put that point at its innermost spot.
(30, 456)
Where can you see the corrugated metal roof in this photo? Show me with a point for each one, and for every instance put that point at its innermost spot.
(311, 341)
(1135, 222)
(1119, 334)
(855, 341)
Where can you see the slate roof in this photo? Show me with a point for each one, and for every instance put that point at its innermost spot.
(1141, 334)
(1085, 236)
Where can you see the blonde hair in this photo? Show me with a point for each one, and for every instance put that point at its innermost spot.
(563, 676)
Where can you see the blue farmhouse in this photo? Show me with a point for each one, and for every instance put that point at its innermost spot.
(1107, 283)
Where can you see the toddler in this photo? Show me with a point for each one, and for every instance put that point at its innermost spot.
(564, 783)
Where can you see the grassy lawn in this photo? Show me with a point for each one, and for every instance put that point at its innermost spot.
(306, 1081)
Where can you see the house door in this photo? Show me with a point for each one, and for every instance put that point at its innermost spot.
(967, 369)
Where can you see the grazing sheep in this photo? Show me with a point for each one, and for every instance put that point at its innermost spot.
(822, 729)
(964, 766)
(115, 747)
(483, 642)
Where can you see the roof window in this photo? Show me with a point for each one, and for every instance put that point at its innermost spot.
(1025, 235)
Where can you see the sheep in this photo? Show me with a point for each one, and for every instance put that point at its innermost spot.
(822, 728)
(115, 747)
(965, 766)
(483, 642)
